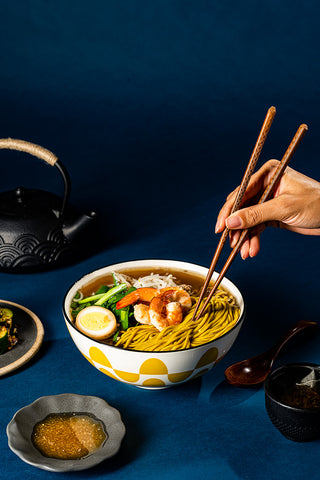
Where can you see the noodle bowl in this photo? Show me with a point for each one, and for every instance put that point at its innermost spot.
(146, 357)
(221, 315)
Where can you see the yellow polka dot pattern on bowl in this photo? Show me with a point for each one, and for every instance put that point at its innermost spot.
(97, 356)
(152, 373)
(153, 366)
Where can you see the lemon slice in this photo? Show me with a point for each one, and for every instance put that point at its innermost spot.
(97, 322)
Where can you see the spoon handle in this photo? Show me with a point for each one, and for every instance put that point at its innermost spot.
(301, 325)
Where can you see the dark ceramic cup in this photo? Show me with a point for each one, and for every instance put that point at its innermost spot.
(292, 401)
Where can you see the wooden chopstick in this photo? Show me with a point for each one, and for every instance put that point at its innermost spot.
(266, 194)
(241, 191)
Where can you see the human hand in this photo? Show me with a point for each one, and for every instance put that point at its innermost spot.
(295, 206)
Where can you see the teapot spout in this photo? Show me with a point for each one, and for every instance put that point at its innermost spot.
(78, 226)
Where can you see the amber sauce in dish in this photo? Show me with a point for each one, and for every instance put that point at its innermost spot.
(68, 435)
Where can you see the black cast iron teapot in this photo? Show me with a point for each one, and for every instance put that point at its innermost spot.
(39, 230)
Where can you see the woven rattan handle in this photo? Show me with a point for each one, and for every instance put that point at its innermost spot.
(43, 154)
(32, 148)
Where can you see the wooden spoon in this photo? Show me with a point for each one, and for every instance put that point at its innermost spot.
(255, 370)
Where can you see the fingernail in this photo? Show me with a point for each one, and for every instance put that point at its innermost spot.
(218, 226)
(243, 255)
(234, 222)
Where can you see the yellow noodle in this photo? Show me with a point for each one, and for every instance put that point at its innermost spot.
(221, 315)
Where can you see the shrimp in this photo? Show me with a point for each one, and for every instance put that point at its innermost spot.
(141, 314)
(177, 294)
(144, 294)
(174, 313)
(168, 307)
(158, 307)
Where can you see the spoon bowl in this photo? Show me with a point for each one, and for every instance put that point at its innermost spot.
(255, 370)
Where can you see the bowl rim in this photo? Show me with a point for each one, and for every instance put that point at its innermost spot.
(181, 262)
(288, 366)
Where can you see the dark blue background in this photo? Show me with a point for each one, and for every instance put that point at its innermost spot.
(154, 108)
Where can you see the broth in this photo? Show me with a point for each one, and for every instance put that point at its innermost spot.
(182, 277)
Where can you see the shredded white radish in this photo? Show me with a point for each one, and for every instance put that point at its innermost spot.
(153, 280)
(156, 281)
(122, 278)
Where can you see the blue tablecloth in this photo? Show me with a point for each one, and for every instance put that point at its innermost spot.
(154, 108)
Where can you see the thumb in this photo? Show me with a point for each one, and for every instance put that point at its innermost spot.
(253, 215)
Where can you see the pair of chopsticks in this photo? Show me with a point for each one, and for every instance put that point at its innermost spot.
(241, 191)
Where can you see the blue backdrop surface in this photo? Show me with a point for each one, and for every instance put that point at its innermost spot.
(154, 109)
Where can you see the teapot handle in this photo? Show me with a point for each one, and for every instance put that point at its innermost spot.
(43, 154)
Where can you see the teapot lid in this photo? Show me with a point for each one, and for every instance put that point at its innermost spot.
(24, 203)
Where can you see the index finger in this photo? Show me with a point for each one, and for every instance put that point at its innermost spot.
(256, 184)
(225, 211)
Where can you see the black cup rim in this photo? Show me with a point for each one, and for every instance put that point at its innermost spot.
(275, 373)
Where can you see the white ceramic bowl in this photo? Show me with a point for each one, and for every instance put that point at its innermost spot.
(151, 370)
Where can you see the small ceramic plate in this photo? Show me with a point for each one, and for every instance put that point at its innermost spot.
(19, 430)
(30, 335)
